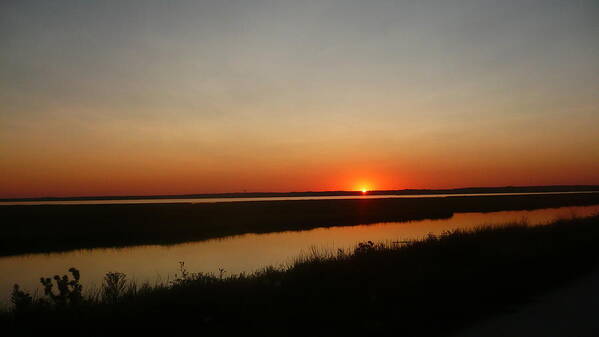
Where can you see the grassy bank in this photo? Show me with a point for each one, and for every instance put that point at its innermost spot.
(45, 228)
(424, 288)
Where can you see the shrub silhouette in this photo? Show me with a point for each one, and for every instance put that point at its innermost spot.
(69, 291)
(21, 300)
(365, 248)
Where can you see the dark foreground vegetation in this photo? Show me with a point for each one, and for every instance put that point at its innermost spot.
(45, 228)
(425, 288)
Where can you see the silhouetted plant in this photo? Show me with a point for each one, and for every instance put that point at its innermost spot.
(364, 248)
(21, 300)
(433, 237)
(184, 276)
(114, 286)
(69, 291)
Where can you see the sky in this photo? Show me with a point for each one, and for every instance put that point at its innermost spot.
(174, 97)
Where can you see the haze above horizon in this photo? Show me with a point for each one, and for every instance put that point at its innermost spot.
(184, 97)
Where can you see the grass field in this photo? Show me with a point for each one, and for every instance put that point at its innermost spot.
(423, 288)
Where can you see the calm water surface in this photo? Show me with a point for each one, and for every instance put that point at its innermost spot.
(243, 253)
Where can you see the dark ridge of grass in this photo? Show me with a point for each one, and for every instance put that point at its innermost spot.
(47, 228)
(425, 288)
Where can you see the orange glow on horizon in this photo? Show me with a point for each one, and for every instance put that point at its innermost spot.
(364, 187)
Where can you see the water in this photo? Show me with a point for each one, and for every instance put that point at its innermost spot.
(212, 200)
(243, 253)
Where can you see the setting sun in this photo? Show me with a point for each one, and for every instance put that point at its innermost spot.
(364, 188)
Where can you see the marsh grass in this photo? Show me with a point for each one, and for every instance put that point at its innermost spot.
(427, 287)
(49, 228)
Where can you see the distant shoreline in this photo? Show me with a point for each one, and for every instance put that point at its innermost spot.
(47, 228)
(465, 190)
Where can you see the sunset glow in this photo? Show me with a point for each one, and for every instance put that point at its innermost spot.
(212, 97)
(151, 140)
(364, 188)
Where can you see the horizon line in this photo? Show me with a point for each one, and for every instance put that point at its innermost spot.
(479, 189)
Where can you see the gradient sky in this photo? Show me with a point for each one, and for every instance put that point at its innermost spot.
(168, 97)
